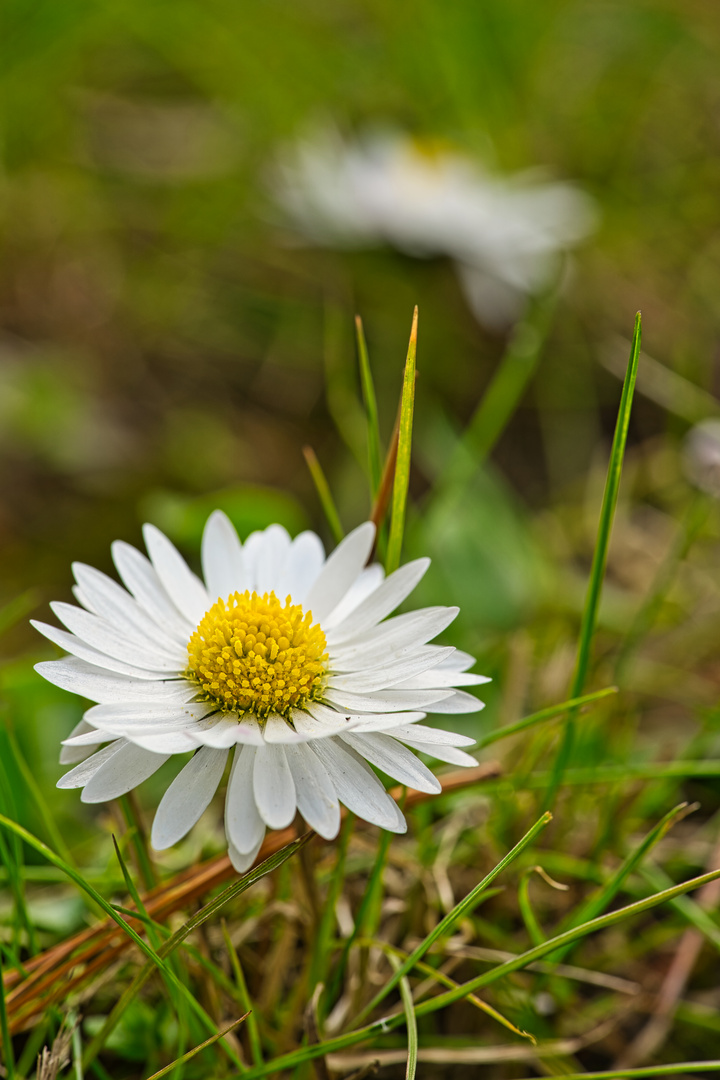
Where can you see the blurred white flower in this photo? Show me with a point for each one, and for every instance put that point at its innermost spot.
(505, 234)
(702, 456)
(305, 691)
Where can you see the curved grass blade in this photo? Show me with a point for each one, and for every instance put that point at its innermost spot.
(244, 995)
(444, 926)
(517, 963)
(324, 493)
(371, 412)
(410, 1021)
(179, 936)
(678, 1069)
(598, 903)
(597, 572)
(544, 714)
(155, 960)
(402, 463)
(197, 1049)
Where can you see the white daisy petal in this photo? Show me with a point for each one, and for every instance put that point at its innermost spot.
(122, 772)
(394, 759)
(222, 558)
(169, 742)
(244, 827)
(188, 797)
(89, 737)
(226, 729)
(393, 639)
(115, 605)
(386, 700)
(277, 730)
(316, 798)
(356, 785)
(270, 560)
(83, 773)
(107, 639)
(93, 683)
(381, 602)
(98, 659)
(459, 661)
(273, 786)
(72, 752)
(437, 678)
(424, 734)
(369, 580)
(140, 578)
(340, 571)
(243, 862)
(450, 754)
(457, 702)
(146, 717)
(303, 564)
(182, 586)
(83, 599)
(378, 678)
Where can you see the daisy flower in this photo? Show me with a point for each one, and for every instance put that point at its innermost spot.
(281, 655)
(505, 234)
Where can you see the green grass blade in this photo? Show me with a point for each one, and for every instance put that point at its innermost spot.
(679, 1069)
(322, 944)
(410, 1022)
(402, 463)
(597, 572)
(463, 908)
(324, 493)
(361, 927)
(197, 1049)
(598, 903)
(503, 395)
(54, 834)
(201, 916)
(244, 995)
(154, 959)
(544, 714)
(138, 838)
(389, 1023)
(375, 455)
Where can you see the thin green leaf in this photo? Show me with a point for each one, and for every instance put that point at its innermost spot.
(402, 463)
(597, 572)
(154, 959)
(325, 932)
(138, 837)
(503, 395)
(324, 494)
(201, 916)
(197, 1049)
(410, 1021)
(388, 1023)
(544, 714)
(677, 1069)
(244, 994)
(463, 908)
(598, 903)
(371, 413)
(361, 926)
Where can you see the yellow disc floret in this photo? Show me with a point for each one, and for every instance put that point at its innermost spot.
(252, 654)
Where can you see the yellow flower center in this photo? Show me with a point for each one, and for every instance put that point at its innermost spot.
(253, 654)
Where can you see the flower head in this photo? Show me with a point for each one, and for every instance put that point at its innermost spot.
(281, 655)
(504, 234)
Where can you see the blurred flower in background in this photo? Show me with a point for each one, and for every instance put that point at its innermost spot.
(506, 235)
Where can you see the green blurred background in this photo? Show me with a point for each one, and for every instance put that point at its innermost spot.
(166, 348)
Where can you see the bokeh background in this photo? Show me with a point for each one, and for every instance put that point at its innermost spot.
(170, 344)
